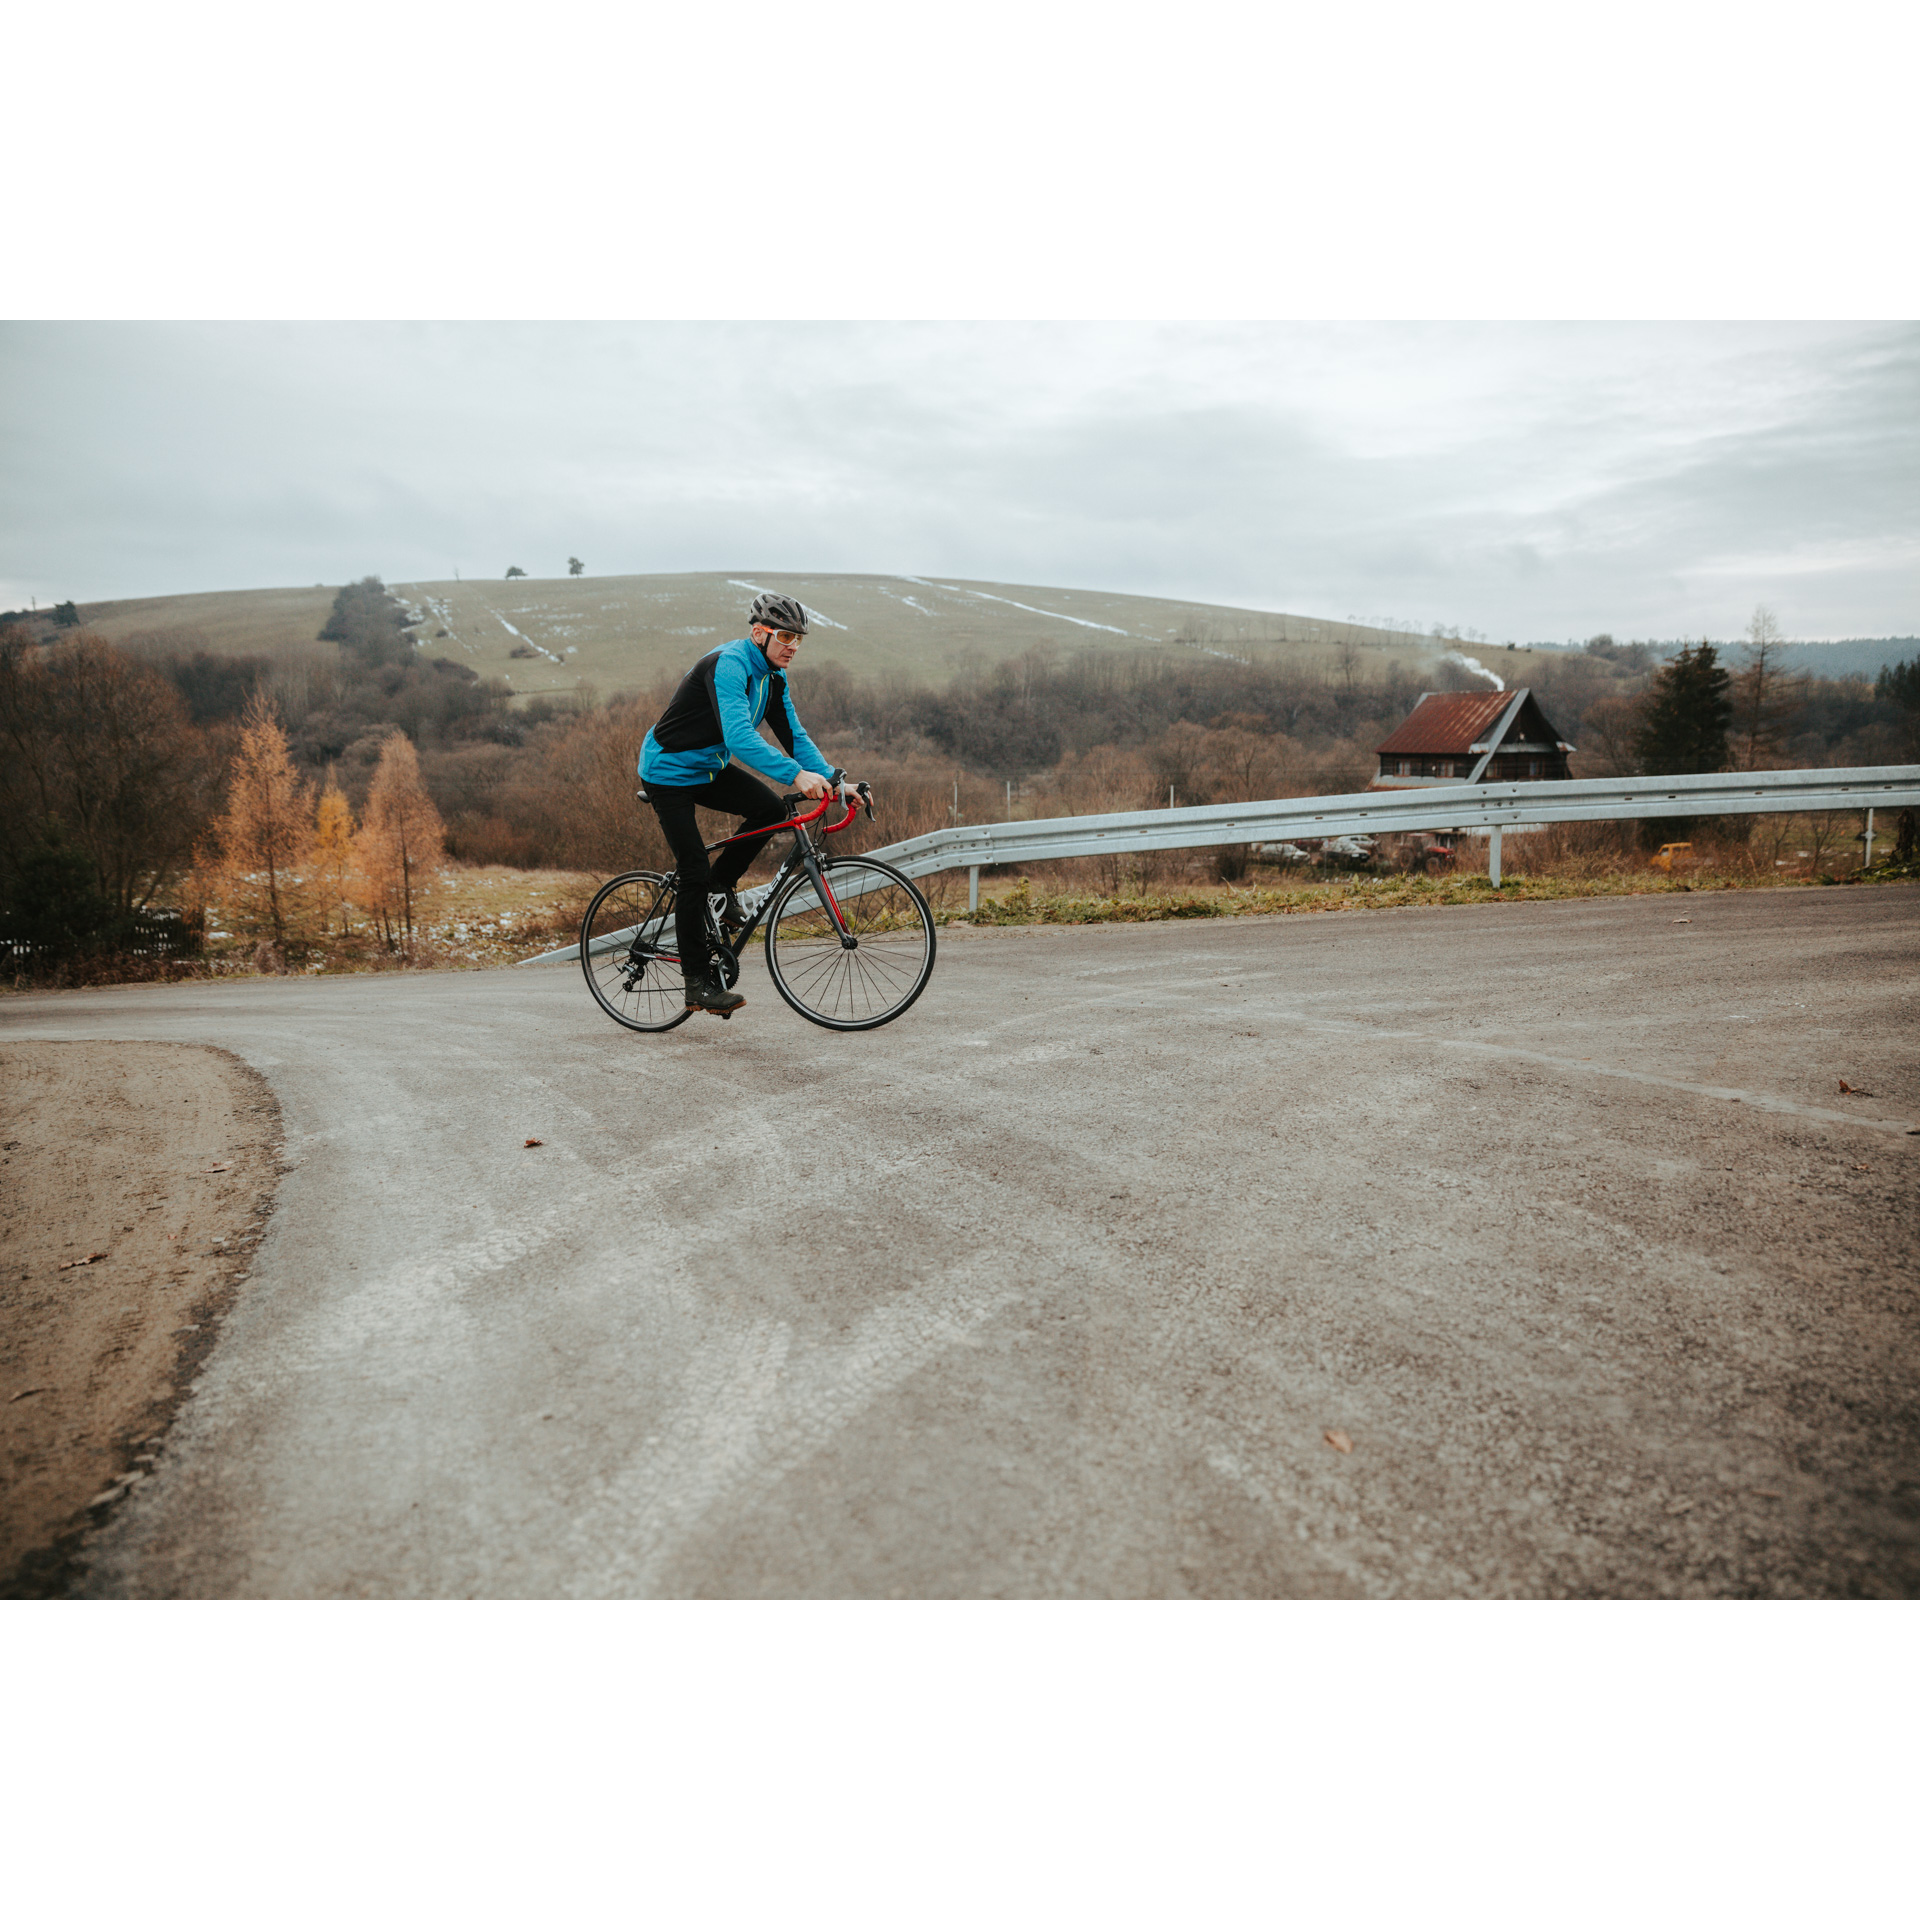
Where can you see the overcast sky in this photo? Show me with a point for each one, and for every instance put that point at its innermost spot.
(1532, 481)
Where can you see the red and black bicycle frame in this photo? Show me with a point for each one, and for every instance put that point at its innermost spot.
(804, 856)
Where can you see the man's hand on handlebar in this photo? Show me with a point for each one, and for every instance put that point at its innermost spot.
(814, 786)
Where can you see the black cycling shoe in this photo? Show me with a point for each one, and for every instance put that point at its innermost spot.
(709, 998)
(733, 915)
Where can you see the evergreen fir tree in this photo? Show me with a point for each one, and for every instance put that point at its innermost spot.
(1688, 710)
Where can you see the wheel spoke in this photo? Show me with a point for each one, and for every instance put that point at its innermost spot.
(867, 984)
(627, 954)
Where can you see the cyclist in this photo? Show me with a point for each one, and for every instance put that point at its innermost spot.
(687, 761)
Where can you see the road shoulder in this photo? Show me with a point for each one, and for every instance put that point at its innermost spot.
(135, 1181)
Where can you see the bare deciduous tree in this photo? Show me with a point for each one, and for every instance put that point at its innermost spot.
(1107, 779)
(1611, 724)
(1822, 830)
(1766, 699)
(1240, 763)
(97, 751)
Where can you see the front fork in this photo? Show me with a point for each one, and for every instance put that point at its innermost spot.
(824, 894)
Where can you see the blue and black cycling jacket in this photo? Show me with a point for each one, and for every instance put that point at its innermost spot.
(712, 718)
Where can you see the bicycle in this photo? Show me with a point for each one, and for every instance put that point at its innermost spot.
(850, 941)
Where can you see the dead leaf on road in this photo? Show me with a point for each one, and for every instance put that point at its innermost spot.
(536, 1143)
(24, 1391)
(223, 1167)
(1858, 1092)
(1337, 1440)
(87, 1262)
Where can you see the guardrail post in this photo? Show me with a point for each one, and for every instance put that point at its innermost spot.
(1493, 856)
(1867, 858)
(973, 889)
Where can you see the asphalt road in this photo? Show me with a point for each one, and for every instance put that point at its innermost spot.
(1554, 1212)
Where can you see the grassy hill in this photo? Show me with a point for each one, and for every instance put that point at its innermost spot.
(266, 620)
(626, 631)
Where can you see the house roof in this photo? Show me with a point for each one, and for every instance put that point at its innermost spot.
(1448, 722)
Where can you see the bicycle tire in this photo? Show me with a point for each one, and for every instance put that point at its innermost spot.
(851, 990)
(635, 983)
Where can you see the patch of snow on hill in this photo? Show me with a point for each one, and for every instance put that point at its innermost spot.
(524, 641)
(813, 613)
(1044, 612)
(442, 611)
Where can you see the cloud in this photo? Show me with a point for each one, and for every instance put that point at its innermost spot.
(1532, 481)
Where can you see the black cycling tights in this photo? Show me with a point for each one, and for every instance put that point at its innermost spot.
(729, 791)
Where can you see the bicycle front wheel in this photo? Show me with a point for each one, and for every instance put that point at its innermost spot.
(851, 987)
(627, 971)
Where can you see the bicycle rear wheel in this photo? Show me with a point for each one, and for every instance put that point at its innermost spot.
(628, 972)
(869, 983)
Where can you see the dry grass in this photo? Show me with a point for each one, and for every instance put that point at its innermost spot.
(1018, 902)
(627, 631)
(466, 917)
(268, 620)
(623, 632)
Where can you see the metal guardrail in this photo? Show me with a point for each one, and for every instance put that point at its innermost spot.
(1454, 809)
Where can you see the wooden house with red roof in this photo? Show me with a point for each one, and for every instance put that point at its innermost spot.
(1457, 739)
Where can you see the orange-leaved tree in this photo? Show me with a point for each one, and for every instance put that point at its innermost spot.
(333, 850)
(252, 862)
(401, 842)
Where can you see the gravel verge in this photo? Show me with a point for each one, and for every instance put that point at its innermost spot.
(135, 1181)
